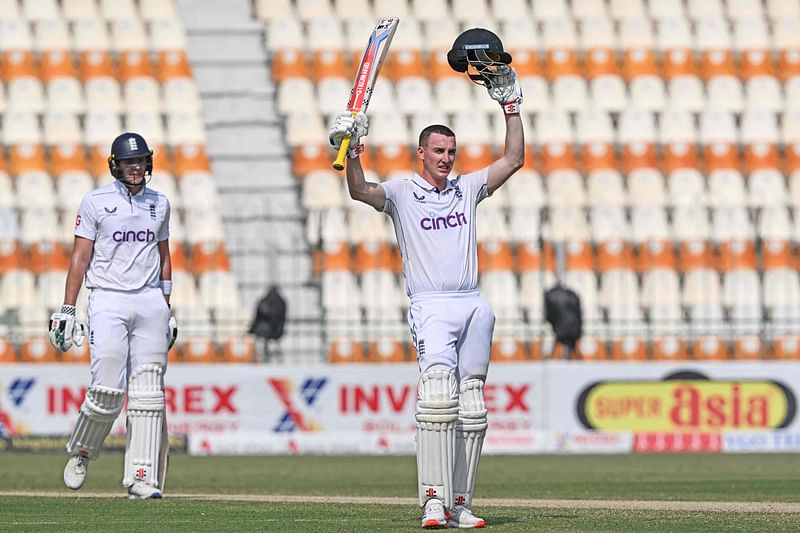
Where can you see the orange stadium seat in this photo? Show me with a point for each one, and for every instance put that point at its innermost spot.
(557, 156)
(737, 255)
(133, 63)
(95, 64)
(198, 350)
(328, 63)
(65, 158)
(173, 64)
(7, 352)
(535, 349)
(177, 255)
(788, 64)
(615, 255)
(777, 254)
(786, 348)
(11, 256)
(404, 63)
(747, 348)
(718, 156)
(508, 350)
(438, 66)
(560, 63)
(758, 156)
(309, 157)
(209, 256)
(598, 156)
(638, 155)
(239, 350)
(289, 64)
(589, 348)
(601, 62)
(756, 63)
(495, 255)
(715, 63)
(526, 63)
(678, 62)
(189, 158)
(98, 161)
(656, 254)
(394, 157)
(709, 348)
(46, 256)
(17, 64)
(792, 152)
(678, 156)
(629, 348)
(174, 354)
(473, 156)
(639, 62)
(386, 350)
(346, 350)
(669, 348)
(26, 158)
(695, 254)
(372, 255)
(161, 157)
(38, 350)
(54, 64)
(332, 256)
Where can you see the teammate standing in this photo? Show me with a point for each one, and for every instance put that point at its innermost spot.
(451, 325)
(122, 250)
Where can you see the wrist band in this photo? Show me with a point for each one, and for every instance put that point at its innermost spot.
(68, 309)
(166, 286)
(355, 151)
(511, 108)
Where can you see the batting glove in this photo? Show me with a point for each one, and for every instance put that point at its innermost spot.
(173, 331)
(506, 90)
(344, 124)
(63, 330)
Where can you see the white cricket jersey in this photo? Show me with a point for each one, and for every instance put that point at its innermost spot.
(126, 231)
(436, 231)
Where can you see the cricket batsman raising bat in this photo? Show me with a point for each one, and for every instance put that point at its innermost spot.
(433, 212)
(366, 75)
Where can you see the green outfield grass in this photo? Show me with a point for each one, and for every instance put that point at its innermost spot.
(718, 478)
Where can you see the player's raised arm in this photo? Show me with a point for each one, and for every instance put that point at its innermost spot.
(507, 92)
(356, 126)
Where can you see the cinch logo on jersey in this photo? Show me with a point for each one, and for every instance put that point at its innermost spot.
(126, 235)
(432, 222)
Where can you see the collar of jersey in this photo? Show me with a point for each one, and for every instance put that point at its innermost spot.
(419, 180)
(124, 190)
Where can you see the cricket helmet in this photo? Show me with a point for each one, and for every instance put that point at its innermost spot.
(129, 146)
(478, 52)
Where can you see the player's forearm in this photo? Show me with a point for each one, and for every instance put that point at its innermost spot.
(74, 282)
(166, 269)
(514, 151)
(357, 184)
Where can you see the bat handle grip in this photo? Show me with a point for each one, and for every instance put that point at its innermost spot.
(338, 164)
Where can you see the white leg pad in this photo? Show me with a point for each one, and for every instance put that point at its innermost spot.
(437, 412)
(470, 432)
(100, 408)
(146, 405)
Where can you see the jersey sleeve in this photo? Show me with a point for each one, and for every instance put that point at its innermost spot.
(86, 221)
(392, 190)
(475, 184)
(163, 232)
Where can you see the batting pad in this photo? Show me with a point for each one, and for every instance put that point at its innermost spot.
(100, 408)
(437, 412)
(145, 426)
(470, 432)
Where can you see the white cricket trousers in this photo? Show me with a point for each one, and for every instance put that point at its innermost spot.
(454, 330)
(126, 329)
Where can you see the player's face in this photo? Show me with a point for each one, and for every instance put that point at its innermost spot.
(133, 169)
(438, 155)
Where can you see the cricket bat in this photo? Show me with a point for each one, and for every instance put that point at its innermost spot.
(367, 74)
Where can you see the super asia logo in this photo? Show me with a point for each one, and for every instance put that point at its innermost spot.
(296, 402)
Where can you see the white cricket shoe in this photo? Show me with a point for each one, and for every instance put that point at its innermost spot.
(462, 518)
(75, 471)
(434, 517)
(143, 491)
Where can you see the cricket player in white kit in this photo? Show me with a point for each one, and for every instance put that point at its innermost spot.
(121, 249)
(451, 325)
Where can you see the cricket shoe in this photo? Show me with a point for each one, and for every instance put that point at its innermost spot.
(462, 518)
(75, 471)
(143, 491)
(434, 516)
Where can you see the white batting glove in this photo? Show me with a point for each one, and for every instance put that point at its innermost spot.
(173, 331)
(63, 330)
(506, 90)
(346, 123)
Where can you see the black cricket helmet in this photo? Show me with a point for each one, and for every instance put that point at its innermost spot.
(129, 146)
(478, 52)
